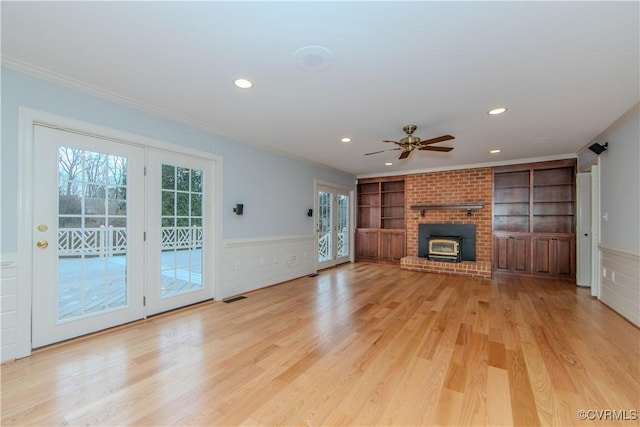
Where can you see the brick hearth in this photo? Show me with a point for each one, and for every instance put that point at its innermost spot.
(459, 187)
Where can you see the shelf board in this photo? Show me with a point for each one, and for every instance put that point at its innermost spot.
(554, 201)
(553, 215)
(424, 208)
(552, 185)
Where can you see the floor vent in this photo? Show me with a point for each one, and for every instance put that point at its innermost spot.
(234, 299)
(313, 274)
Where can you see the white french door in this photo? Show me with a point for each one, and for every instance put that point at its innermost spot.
(112, 245)
(179, 237)
(88, 219)
(332, 226)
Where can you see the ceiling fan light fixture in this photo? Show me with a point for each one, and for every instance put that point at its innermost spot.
(496, 111)
(243, 83)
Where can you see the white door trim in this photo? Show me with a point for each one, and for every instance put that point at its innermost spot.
(26, 119)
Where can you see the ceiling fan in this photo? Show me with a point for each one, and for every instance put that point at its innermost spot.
(410, 143)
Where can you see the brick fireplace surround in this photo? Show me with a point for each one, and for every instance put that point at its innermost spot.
(458, 187)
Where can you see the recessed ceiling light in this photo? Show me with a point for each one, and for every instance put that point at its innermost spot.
(388, 164)
(243, 83)
(496, 111)
(496, 151)
(345, 140)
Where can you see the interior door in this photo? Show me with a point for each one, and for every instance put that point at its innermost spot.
(583, 274)
(88, 233)
(180, 232)
(332, 226)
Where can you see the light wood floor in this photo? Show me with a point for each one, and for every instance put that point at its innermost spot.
(362, 344)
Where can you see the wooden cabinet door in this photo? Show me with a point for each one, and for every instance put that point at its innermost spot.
(543, 255)
(501, 256)
(392, 246)
(367, 244)
(511, 254)
(554, 256)
(564, 257)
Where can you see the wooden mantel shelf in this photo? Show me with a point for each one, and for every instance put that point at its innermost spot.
(424, 208)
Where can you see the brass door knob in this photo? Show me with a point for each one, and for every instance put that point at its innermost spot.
(42, 244)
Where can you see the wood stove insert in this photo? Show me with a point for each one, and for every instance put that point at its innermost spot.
(465, 235)
(444, 248)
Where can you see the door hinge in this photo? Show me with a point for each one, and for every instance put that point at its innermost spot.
(145, 171)
(144, 236)
(144, 301)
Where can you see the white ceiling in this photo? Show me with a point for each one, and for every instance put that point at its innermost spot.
(565, 70)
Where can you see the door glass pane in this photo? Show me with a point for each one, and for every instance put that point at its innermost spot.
(182, 207)
(343, 225)
(325, 238)
(92, 233)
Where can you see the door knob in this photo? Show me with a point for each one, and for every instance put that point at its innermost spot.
(42, 244)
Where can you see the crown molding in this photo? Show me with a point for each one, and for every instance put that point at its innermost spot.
(53, 77)
(473, 166)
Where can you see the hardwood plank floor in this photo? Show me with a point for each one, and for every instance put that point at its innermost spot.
(361, 344)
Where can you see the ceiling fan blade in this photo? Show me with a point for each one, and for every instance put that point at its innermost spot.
(443, 149)
(438, 139)
(395, 142)
(404, 155)
(382, 151)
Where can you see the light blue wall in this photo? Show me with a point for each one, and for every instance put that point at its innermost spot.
(620, 186)
(276, 190)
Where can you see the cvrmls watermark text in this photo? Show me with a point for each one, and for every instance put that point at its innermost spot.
(608, 414)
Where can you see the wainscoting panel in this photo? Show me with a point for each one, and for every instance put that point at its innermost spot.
(250, 264)
(8, 314)
(620, 284)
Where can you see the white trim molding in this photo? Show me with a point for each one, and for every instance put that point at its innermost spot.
(473, 166)
(237, 243)
(620, 281)
(250, 264)
(8, 305)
